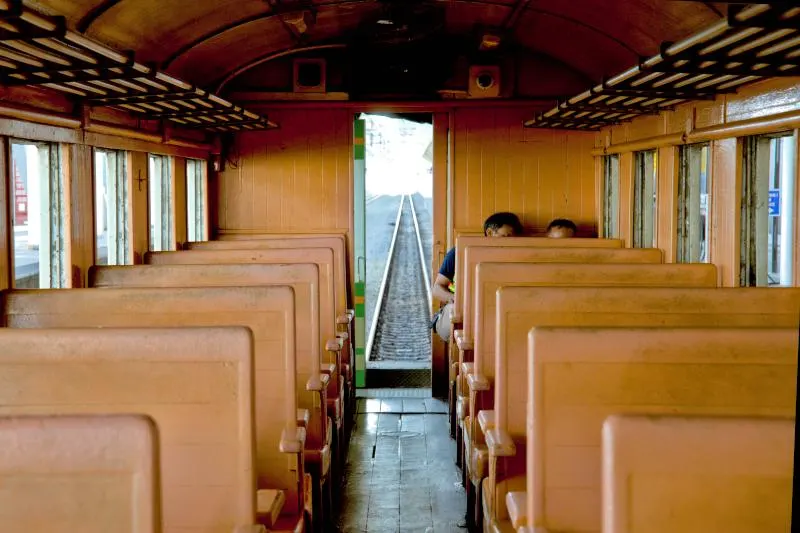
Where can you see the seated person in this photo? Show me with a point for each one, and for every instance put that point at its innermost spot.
(561, 228)
(497, 225)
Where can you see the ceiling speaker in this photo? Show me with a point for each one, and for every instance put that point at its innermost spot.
(484, 81)
(309, 76)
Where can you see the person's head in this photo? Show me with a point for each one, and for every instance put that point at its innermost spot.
(561, 228)
(502, 225)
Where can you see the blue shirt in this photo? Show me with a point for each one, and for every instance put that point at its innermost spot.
(448, 268)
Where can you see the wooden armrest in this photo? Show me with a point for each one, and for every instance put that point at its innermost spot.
(351, 313)
(303, 417)
(343, 336)
(517, 509)
(314, 383)
(464, 343)
(467, 368)
(343, 319)
(333, 345)
(293, 443)
(250, 529)
(500, 443)
(269, 504)
(327, 369)
(477, 382)
(486, 420)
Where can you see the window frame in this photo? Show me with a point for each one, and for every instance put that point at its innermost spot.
(55, 266)
(645, 163)
(196, 192)
(120, 187)
(689, 204)
(164, 232)
(611, 190)
(757, 158)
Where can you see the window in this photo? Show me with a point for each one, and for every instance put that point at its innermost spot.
(39, 222)
(112, 208)
(694, 193)
(196, 186)
(644, 199)
(768, 211)
(611, 198)
(162, 227)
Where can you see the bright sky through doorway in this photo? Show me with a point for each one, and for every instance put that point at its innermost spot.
(398, 156)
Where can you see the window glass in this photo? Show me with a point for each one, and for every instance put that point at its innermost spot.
(112, 208)
(162, 207)
(196, 185)
(611, 198)
(644, 199)
(694, 197)
(41, 234)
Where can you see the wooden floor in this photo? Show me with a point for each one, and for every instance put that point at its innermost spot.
(400, 473)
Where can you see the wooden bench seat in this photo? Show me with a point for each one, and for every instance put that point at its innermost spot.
(521, 308)
(311, 384)
(323, 258)
(477, 255)
(659, 470)
(195, 383)
(580, 376)
(462, 242)
(474, 255)
(267, 311)
(336, 242)
(490, 276)
(88, 473)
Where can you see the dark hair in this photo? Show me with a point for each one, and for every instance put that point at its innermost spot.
(562, 223)
(498, 220)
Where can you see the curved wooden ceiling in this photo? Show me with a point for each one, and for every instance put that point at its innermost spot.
(203, 41)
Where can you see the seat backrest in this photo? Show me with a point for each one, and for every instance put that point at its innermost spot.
(518, 242)
(521, 308)
(579, 377)
(321, 257)
(737, 469)
(303, 278)
(90, 473)
(491, 276)
(267, 311)
(195, 383)
(475, 255)
(267, 242)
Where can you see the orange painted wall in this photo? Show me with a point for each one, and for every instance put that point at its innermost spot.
(761, 100)
(538, 174)
(298, 178)
(294, 179)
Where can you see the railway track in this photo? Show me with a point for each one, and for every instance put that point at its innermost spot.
(400, 330)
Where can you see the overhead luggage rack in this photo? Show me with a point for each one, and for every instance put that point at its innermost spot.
(40, 50)
(753, 43)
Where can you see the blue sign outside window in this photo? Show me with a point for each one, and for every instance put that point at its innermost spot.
(774, 202)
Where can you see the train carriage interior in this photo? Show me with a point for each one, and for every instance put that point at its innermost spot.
(250, 280)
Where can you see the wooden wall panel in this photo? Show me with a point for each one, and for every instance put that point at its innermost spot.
(181, 221)
(82, 212)
(667, 206)
(626, 169)
(538, 174)
(726, 186)
(295, 179)
(138, 168)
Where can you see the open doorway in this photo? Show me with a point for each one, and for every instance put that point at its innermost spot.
(398, 207)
